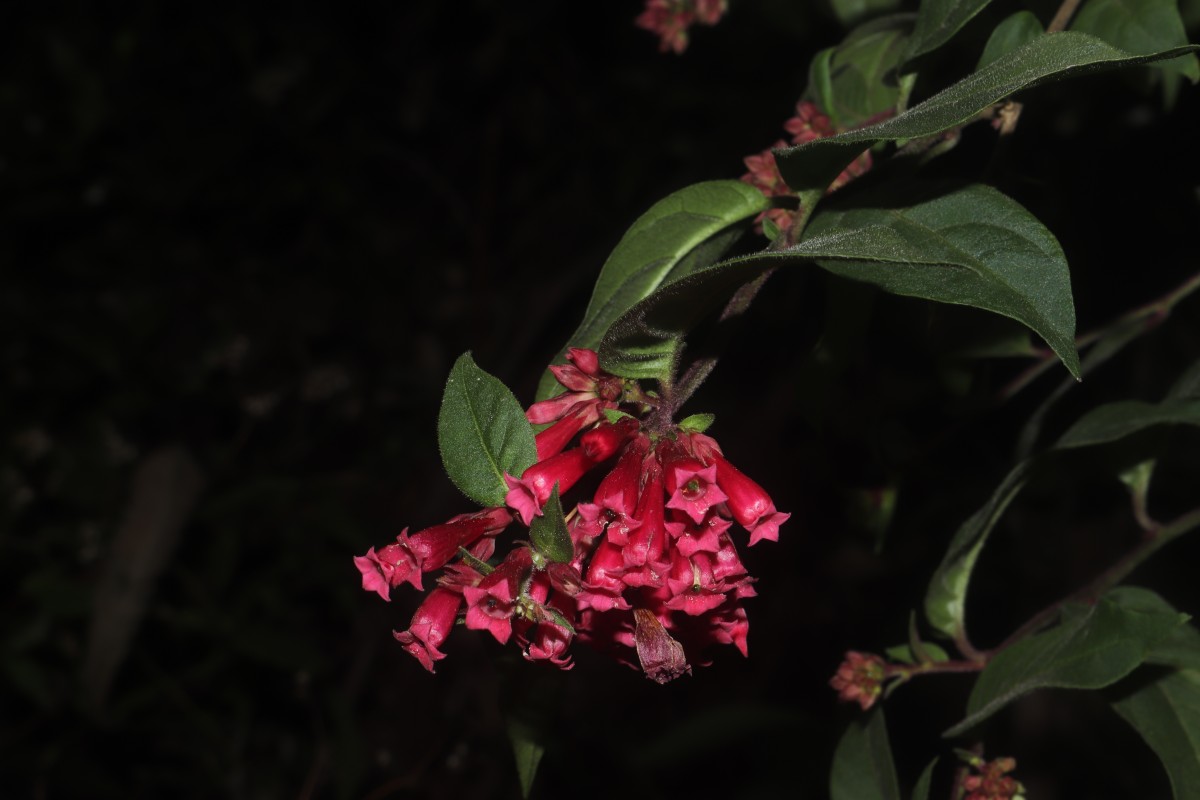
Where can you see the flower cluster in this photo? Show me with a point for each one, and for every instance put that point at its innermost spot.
(670, 19)
(992, 781)
(859, 679)
(809, 124)
(653, 574)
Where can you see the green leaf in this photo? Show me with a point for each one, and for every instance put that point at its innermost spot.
(528, 752)
(482, 433)
(925, 782)
(972, 246)
(1166, 712)
(938, 21)
(697, 423)
(811, 167)
(1114, 421)
(945, 601)
(679, 234)
(548, 533)
(1187, 385)
(905, 655)
(1139, 26)
(1182, 648)
(1015, 31)
(862, 762)
(1092, 646)
(946, 598)
(852, 12)
(856, 80)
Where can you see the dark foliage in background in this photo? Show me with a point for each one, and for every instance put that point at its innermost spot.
(263, 237)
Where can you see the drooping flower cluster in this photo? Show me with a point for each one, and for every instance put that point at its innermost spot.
(653, 574)
(670, 19)
(807, 125)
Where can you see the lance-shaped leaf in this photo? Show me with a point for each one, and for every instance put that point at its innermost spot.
(1115, 421)
(1139, 26)
(856, 80)
(482, 433)
(862, 762)
(938, 21)
(684, 231)
(548, 533)
(1166, 712)
(1092, 646)
(972, 246)
(1015, 31)
(945, 601)
(925, 782)
(810, 168)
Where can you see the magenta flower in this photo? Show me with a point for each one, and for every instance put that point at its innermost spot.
(391, 566)
(527, 494)
(748, 503)
(430, 626)
(670, 19)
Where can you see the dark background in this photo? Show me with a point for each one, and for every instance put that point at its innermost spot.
(255, 240)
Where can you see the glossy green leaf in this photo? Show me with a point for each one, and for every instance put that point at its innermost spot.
(1139, 26)
(548, 533)
(946, 598)
(862, 762)
(972, 246)
(811, 167)
(1015, 31)
(856, 80)
(1182, 648)
(1166, 712)
(925, 782)
(1091, 647)
(852, 12)
(482, 433)
(938, 21)
(682, 232)
(1115, 421)
(528, 751)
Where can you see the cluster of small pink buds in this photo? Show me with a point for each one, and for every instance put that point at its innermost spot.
(992, 781)
(859, 679)
(670, 19)
(653, 576)
(807, 125)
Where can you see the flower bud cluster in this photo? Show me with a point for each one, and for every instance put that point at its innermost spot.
(670, 19)
(654, 576)
(991, 781)
(809, 124)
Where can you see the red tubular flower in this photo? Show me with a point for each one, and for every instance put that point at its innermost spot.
(748, 503)
(391, 566)
(430, 626)
(551, 441)
(691, 484)
(426, 550)
(527, 494)
(859, 679)
(435, 546)
(492, 604)
(691, 538)
(602, 586)
(645, 552)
